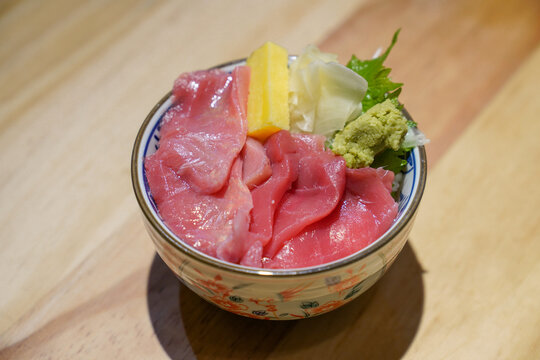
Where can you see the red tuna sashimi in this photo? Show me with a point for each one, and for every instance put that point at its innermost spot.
(314, 195)
(281, 150)
(374, 187)
(216, 224)
(163, 181)
(253, 257)
(309, 142)
(364, 213)
(206, 129)
(257, 168)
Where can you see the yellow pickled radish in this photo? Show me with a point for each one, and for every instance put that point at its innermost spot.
(268, 107)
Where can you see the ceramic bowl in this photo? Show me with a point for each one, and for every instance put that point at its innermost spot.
(266, 293)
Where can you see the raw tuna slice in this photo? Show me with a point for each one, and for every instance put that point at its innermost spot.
(314, 195)
(207, 128)
(253, 257)
(364, 213)
(309, 142)
(216, 224)
(257, 168)
(163, 181)
(281, 150)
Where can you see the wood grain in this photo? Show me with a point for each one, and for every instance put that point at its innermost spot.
(482, 262)
(80, 278)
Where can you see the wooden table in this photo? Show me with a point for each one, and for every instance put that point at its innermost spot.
(79, 276)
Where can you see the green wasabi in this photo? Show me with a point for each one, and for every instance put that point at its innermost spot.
(382, 127)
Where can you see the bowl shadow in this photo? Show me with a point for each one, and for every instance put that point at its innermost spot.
(381, 323)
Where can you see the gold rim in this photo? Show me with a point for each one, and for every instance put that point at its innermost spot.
(179, 245)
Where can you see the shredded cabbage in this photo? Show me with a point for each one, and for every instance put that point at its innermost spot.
(323, 94)
(414, 138)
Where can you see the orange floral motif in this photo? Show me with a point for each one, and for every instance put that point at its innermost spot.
(297, 316)
(261, 301)
(331, 305)
(215, 287)
(268, 303)
(291, 293)
(227, 304)
(198, 271)
(345, 285)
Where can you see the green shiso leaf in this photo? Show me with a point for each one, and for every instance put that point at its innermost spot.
(380, 87)
(412, 123)
(392, 160)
